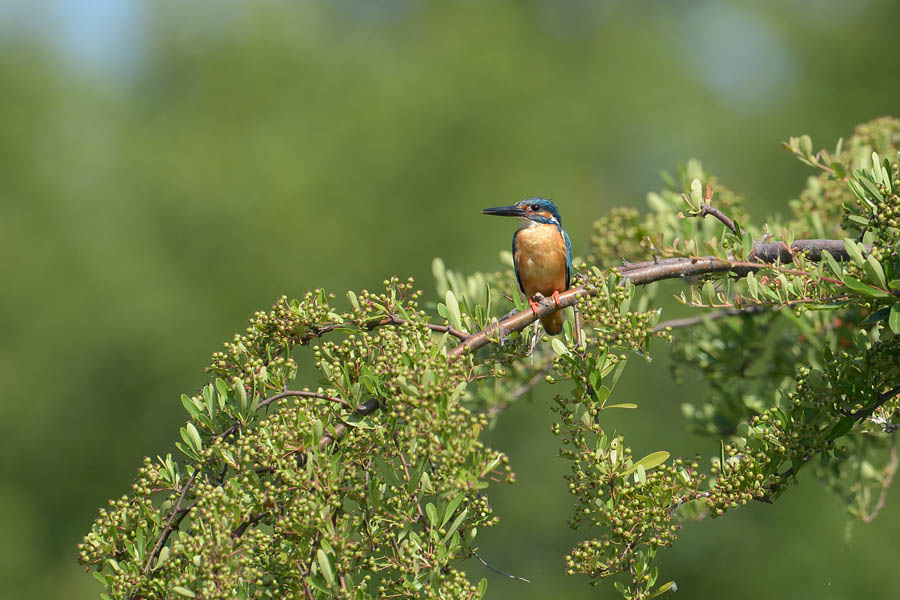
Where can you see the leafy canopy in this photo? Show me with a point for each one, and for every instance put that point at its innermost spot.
(375, 484)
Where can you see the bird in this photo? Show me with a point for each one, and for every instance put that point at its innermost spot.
(542, 254)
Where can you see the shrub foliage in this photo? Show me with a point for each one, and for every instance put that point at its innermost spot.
(375, 484)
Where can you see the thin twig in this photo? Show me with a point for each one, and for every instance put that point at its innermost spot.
(389, 319)
(242, 528)
(579, 335)
(302, 394)
(706, 209)
(498, 571)
(889, 471)
(710, 316)
(521, 390)
(882, 398)
(859, 415)
(171, 523)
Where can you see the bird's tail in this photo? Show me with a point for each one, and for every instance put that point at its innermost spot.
(553, 322)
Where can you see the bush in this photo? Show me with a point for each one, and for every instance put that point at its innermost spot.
(374, 485)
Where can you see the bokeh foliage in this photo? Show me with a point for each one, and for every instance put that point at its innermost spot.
(144, 216)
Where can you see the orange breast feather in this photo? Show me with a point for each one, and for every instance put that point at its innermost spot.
(541, 259)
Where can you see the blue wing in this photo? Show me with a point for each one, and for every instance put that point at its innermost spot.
(568, 257)
(516, 263)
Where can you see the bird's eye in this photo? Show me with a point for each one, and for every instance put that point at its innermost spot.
(533, 207)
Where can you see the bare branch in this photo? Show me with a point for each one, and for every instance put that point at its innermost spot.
(646, 272)
(174, 520)
(882, 398)
(303, 394)
(389, 319)
(638, 273)
(770, 252)
(710, 316)
(706, 209)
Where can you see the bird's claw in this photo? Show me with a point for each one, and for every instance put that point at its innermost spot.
(556, 299)
(535, 303)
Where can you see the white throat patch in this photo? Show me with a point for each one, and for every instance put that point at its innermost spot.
(526, 222)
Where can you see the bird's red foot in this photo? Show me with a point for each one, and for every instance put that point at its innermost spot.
(535, 306)
(556, 299)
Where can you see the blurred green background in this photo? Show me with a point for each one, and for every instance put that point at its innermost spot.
(168, 168)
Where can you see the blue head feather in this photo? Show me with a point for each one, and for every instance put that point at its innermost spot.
(537, 205)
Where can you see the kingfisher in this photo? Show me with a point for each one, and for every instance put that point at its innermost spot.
(542, 254)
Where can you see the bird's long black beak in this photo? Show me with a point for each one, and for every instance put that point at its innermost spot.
(504, 211)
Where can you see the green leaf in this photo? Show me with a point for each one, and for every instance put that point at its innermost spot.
(654, 459)
(640, 474)
(874, 271)
(669, 585)
(442, 311)
(620, 367)
(451, 508)
(871, 188)
(453, 314)
(319, 585)
(863, 288)
(753, 285)
(185, 448)
(841, 428)
(889, 175)
(806, 144)
(595, 378)
(162, 558)
(196, 442)
(354, 301)
(439, 270)
(189, 406)
(242, 396)
(325, 566)
(456, 523)
(431, 512)
(746, 241)
(832, 263)
(879, 315)
(623, 405)
(695, 200)
(858, 191)
(894, 318)
(183, 591)
(360, 421)
(559, 347)
(221, 386)
(481, 588)
(854, 252)
(387, 472)
(709, 292)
